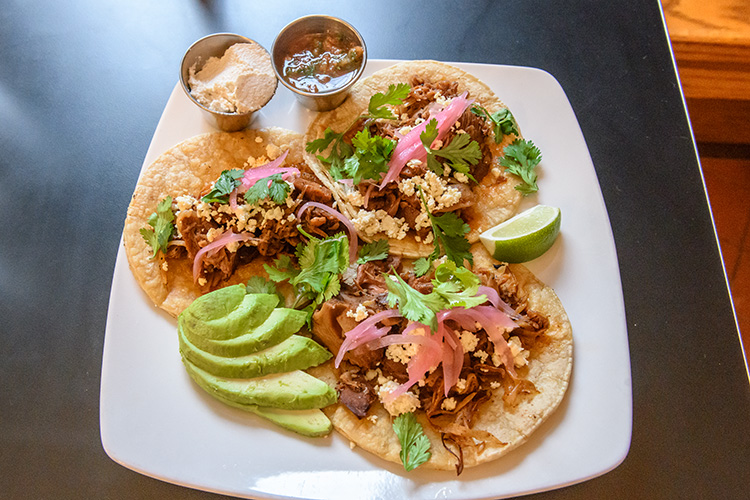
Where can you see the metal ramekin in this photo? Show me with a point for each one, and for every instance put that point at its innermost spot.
(317, 101)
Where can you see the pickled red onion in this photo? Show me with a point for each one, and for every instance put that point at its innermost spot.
(496, 301)
(365, 330)
(253, 175)
(453, 358)
(353, 240)
(410, 146)
(216, 245)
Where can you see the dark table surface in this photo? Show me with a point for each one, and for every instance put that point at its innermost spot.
(82, 86)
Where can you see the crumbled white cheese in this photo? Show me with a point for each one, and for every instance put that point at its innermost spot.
(401, 353)
(469, 341)
(355, 198)
(371, 223)
(520, 355)
(438, 194)
(448, 404)
(258, 139)
(214, 233)
(358, 314)
(164, 266)
(185, 202)
(202, 281)
(460, 177)
(405, 403)
(461, 384)
(481, 355)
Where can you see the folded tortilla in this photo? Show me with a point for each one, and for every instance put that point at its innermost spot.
(549, 367)
(189, 168)
(497, 198)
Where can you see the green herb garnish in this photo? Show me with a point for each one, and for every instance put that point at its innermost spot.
(225, 184)
(449, 230)
(370, 158)
(414, 443)
(452, 286)
(273, 187)
(460, 153)
(503, 121)
(162, 227)
(521, 156)
(340, 150)
(377, 250)
(316, 278)
(394, 96)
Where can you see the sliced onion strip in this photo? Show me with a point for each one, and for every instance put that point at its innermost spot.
(410, 146)
(353, 239)
(367, 330)
(228, 237)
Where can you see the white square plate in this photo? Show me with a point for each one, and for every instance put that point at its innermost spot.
(154, 420)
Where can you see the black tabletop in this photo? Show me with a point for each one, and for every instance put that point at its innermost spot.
(82, 87)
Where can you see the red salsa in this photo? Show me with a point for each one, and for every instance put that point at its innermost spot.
(322, 61)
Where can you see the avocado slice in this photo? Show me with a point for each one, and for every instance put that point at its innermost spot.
(313, 422)
(294, 390)
(227, 312)
(294, 353)
(279, 326)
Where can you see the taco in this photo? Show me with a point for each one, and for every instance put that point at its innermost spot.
(375, 166)
(481, 383)
(208, 212)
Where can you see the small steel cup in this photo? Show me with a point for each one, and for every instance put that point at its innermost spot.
(317, 101)
(197, 55)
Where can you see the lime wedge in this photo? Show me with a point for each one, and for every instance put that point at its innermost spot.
(525, 236)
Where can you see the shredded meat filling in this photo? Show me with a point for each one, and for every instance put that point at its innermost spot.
(480, 377)
(273, 235)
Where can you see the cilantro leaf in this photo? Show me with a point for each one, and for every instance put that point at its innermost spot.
(259, 284)
(377, 250)
(340, 150)
(395, 96)
(370, 158)
(422, 266)
(225, 184)
(449, 232)
(460, 153)
(413, 304)
(273, 187)
(452, 286)
(414, 443)
(502, 120)
(316, 280)
(457, 286)
(162, 227)
(521, 156)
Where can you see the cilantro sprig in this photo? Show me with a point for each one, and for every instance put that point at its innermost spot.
(162, 228)
(521, 156)
(460, 153)
(340, 149)
(503, 121)
(377, 250)
(225, 184)
(315, 278)
(449, 232)
(273, 187)
(452, 286)
(370, 157)
(415, 445)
